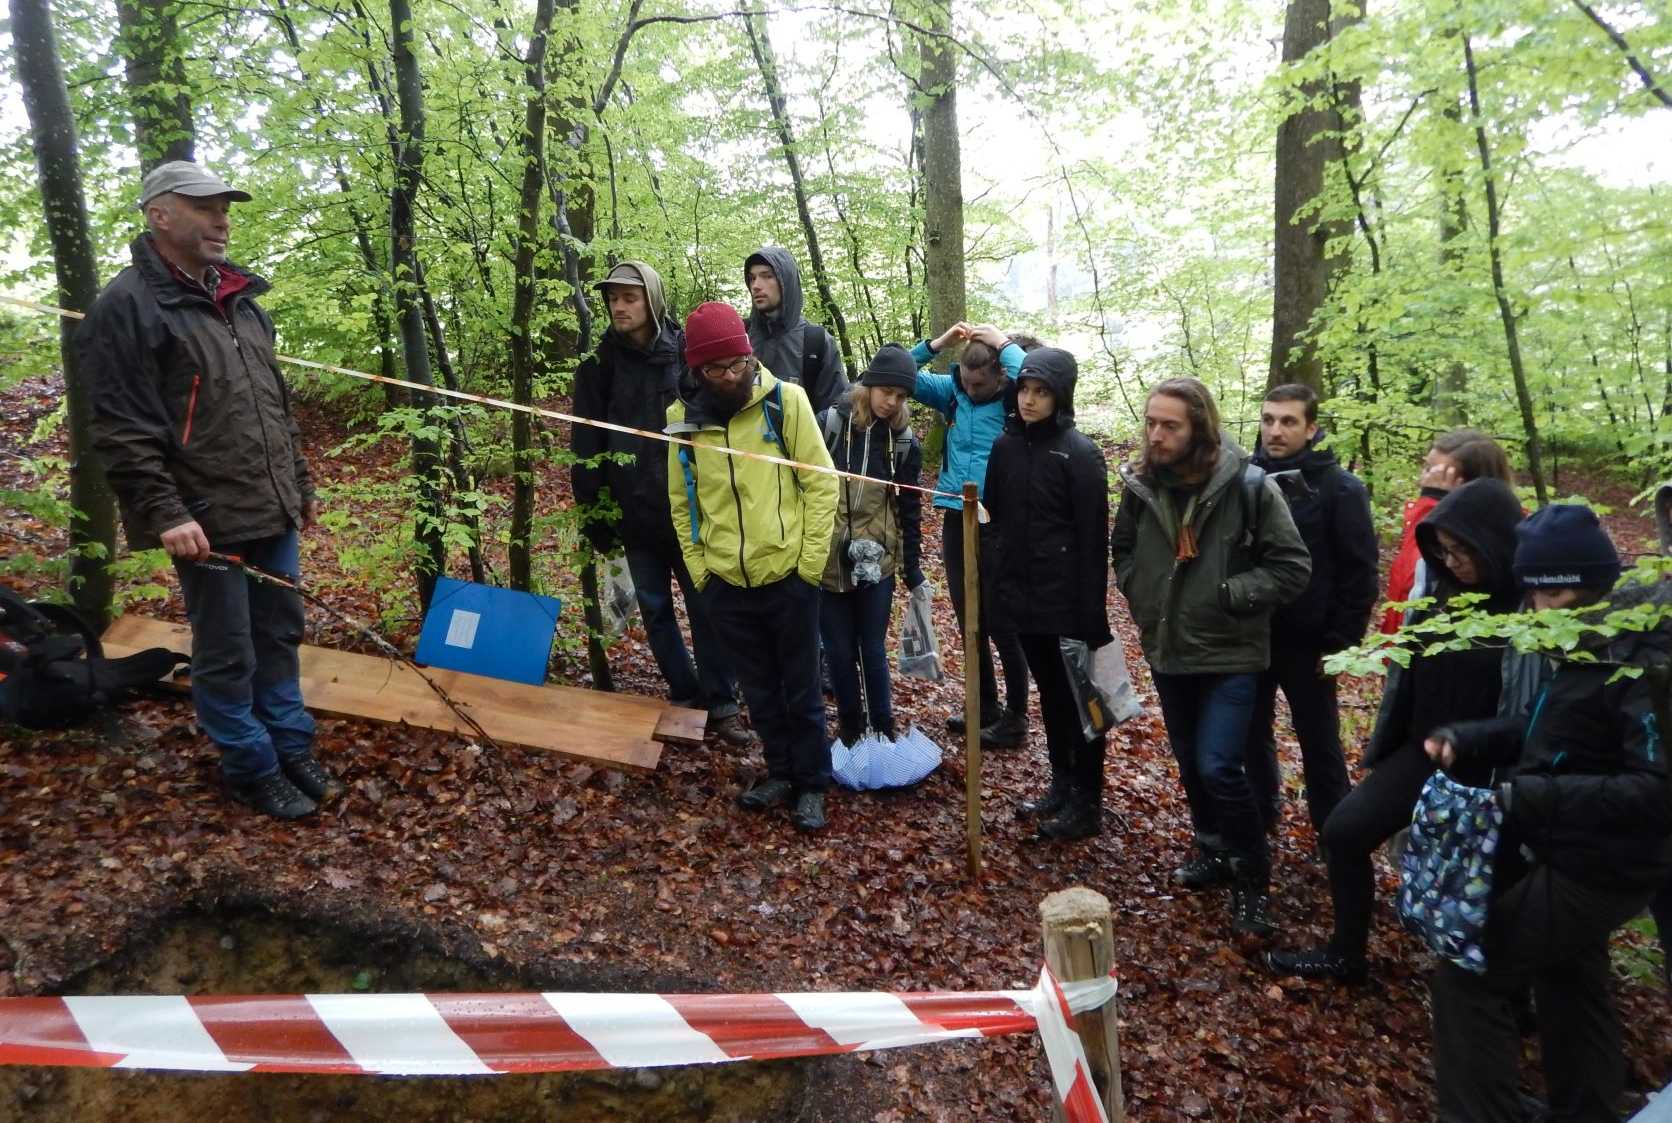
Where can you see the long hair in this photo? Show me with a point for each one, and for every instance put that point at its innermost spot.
(1199, 406)
(860, 399)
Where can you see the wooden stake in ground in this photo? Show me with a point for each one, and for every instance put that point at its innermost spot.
(972, 680)
(1079, 937)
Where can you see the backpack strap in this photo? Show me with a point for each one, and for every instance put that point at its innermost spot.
(1253, 496)
(688, 465)
(772, 410)
(832, 428)
(815, 341)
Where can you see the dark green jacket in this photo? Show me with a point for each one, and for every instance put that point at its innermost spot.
(1212, 614)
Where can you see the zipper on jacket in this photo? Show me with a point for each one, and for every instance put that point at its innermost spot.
(191, 410)
(731, 467)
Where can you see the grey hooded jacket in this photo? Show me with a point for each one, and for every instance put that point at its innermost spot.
(780, 337)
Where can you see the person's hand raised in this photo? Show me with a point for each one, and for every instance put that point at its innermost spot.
(957, 333)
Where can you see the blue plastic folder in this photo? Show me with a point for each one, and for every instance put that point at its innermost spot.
(481, 630)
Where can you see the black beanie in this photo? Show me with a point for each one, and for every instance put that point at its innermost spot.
(1564, 546)
(893, 366)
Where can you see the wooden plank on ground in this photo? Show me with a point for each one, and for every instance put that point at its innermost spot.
(619, 729)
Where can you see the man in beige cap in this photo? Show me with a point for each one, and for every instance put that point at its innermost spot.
(194, 424)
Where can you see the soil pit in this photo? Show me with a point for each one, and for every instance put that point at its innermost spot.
(249, 952)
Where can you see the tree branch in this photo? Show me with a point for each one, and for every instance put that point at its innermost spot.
(1648, 79)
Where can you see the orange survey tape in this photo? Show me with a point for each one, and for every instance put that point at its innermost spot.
(539, 411)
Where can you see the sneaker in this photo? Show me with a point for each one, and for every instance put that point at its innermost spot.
(1008, 732)
(772, 793)
(274, 795)
(809, 811)
(1250, 911)
(731, 730)
(1207, 869)
(1317, 963)
(311, 779)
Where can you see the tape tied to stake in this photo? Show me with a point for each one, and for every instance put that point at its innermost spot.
(573, 419)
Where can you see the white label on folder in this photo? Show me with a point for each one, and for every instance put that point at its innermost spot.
(461, 629)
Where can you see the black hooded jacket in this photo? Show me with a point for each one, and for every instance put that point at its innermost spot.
(1047, 492)
(1454, 686)
(1590, 792)
(1334, 522)
(628, 386)
(780, 337)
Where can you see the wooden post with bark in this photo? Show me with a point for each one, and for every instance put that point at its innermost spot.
(972, 680)
(1079, 934)
(53, 133)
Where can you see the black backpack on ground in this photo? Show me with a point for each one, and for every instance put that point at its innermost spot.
(53, 672)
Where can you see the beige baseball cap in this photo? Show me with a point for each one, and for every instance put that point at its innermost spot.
(183, 177)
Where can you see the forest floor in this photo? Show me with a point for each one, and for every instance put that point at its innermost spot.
(535, 870)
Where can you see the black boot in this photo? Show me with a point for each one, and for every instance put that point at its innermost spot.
(1208, 868)
(1052, 801)
(849, 729)
(274, 795)
(809, 811)
(884, 728)
(311, 779)
(1317, 963)
(1008, 732)
(772, 793)
(1251, 901)
(1082, 817)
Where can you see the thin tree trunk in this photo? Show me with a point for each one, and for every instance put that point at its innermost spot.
(754, 21)
(457, 469)
(52, 130)
(1512, 341)
(154, 68)
(1451, 386)
(943, 185)
(522, 300)
(403, 241)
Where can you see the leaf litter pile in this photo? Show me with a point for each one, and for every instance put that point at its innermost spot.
(658, 881)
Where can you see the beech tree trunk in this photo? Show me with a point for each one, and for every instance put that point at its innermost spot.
(52, 129)
(154, 71)
(1301, 267)
(943, 184)
(754, 21)
(522, 300)
(1451, 386)
(403, 243)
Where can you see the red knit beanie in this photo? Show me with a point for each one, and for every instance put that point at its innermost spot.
(714, 331)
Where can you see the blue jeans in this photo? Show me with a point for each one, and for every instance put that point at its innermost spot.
(1208, 718)
(854, 627)
(708, 684)
(246, 675)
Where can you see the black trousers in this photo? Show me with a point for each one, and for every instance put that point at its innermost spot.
(1071, 755)
(1312, 707)
(1009, 647)
(1373, 812)
(1549, 931)
(771, 633)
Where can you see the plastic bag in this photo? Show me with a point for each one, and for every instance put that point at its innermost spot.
(1103, 693)
(919, 649)
(617, 598)
(874, 761)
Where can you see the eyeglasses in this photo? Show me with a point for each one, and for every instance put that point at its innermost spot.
(736, 366)
(1456, 553)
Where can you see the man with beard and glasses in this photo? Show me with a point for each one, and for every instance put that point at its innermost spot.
(755, 536)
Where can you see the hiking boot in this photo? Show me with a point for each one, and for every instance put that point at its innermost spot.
(809, 811)
(273, 795)
(731, 730)
(1008, 732)
(311, 779)
(1317, 963)
(772, 793)
(1081, 817)
(1251, 909)
(1207, 869)
(1052, 801)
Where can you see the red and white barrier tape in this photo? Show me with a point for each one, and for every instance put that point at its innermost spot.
(459, 1034)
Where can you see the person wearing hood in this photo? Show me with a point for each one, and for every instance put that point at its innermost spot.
(1468, 542)
(973, 398)
(1586, 841)
(1332, 513)
(879, 537)
(632, 379)
(1205, 550)
(793, 349)
(755, 536)
(1049, 573)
